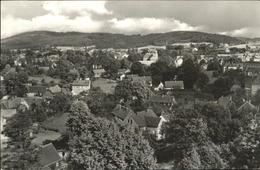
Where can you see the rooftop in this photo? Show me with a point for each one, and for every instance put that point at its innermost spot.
(48, 155)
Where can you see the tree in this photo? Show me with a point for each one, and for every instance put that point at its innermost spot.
(99, 102)
(60, 103)
(256, 98)
(133, 93)
(15, 83)
(202, 81)
(190, 73)
(97, 143)
(21, 152)
(246, 147)
(186, 133)
(137, 68)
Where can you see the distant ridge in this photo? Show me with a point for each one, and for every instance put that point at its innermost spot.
(37, 39)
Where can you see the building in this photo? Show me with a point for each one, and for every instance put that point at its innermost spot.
(48, 157)
(255, 86)
(5, 115)
(252, 68)
(79, 86)
(169, 85)
(98, 72)
(36, 90)
(55, 89)
(145, 121)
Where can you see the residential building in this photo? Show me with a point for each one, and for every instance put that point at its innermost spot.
(169, 85)
(255, 85)
(48, 157)
(55, 89)
(98, 72)
(79, 86)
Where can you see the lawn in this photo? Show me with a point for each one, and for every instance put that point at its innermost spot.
(45, 135)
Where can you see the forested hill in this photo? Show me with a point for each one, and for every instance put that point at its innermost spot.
(105, 40)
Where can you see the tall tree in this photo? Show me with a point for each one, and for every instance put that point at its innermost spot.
(97, 143)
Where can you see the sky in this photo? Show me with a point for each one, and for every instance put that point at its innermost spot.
(235, 18)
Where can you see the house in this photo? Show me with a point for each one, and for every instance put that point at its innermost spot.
(163, 100)
(252, 68)
(106, 85)
(255, 86)
(79, 86)
(55, 89)
(36, 90)
(48, 156)
(98, 72)
(5, 115)
(145, 120)
(13, 103)
(248, 107)
(159, 87)
(169, 85)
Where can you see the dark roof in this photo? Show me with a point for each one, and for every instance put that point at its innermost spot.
(48, 155)
(37, 89)
(152, 121)
(148, 112)
(139, 120)
(121, 111)
(31, 100)
(162, 99)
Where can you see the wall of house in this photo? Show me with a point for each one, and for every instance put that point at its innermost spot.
(255, 88)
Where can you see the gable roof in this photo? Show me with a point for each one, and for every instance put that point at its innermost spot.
(152, 122)
(149, 113)
(6, 113)
(247, 106)
(48, 155)
(37, 89)
(121, 111)
(174, 84)
(55, 89)
(81, 83)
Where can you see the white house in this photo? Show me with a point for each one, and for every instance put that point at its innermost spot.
(79, 86)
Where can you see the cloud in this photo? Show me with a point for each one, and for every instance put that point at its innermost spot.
(149, 25)
(246, 32)
(49, 22)
(80, 7)
(130, 17)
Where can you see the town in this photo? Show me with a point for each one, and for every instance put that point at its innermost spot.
(192, 105)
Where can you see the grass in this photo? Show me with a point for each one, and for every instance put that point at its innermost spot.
(45, 135)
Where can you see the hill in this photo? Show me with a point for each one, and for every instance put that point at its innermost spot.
(105, 40)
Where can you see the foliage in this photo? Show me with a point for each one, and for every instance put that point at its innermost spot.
(15, 83)
(190, 73)
(99, 102)
(60, 103)
(202, 81)
(97, 143)
(137, 68)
